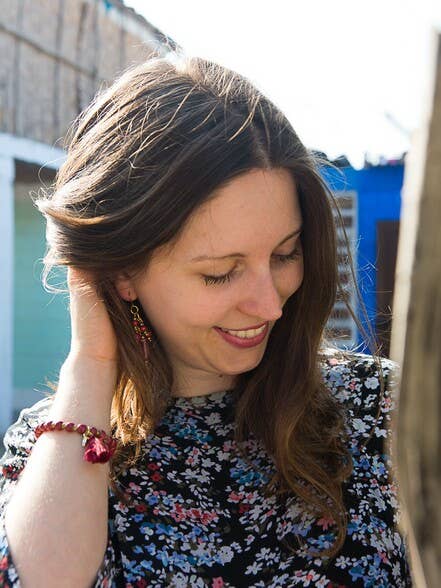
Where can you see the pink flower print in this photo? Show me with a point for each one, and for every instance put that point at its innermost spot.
(325, 522)
(217, 582)
(235, 497)
(177, 513)
(207, 517)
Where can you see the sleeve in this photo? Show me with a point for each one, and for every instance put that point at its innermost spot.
(376, 520)
(18, 442)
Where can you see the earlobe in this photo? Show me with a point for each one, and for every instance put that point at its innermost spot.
(124, 287)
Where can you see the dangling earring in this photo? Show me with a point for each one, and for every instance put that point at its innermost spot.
(142, 334)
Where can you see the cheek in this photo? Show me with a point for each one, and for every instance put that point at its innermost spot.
(293, 280)
(185, 307)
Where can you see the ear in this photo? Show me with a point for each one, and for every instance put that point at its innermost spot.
(124, 286)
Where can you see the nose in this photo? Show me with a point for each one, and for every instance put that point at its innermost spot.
(262, 299)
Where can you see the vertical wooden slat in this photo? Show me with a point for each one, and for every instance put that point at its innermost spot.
(416, 338)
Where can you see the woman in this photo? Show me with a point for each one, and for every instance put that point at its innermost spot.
(201, 253)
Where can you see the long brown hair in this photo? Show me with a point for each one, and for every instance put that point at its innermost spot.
(144, 155)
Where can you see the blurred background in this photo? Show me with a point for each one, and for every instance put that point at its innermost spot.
(350, 76)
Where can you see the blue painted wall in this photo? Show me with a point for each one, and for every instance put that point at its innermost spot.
(41, 319)
(379, 198)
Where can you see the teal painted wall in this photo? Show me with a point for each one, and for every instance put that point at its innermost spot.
(41, 319)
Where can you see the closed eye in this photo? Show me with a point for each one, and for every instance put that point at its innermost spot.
(290, 256)
(214, 280)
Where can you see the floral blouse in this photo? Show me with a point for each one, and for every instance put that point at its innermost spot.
(200, 517)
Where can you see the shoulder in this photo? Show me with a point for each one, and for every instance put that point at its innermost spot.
(365, 386)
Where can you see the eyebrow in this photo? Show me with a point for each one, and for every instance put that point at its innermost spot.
(206, 257)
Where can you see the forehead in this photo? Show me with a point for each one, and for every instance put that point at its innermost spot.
(260, 205)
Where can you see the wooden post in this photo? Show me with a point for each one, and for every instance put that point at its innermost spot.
(416, 343)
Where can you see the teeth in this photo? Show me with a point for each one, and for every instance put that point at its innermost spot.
(246, 334)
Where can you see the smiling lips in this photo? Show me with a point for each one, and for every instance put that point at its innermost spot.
(249, 338)
(248, 334)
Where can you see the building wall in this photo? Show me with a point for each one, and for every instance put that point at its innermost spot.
(379, 199)
(41, 320)
(57, 53)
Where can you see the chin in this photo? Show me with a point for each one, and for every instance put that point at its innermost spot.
(241, 369)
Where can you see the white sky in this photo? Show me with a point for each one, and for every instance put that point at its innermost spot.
(339, 70)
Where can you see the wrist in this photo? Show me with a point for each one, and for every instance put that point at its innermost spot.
(85, 391)
(100, 370)
(76, 357)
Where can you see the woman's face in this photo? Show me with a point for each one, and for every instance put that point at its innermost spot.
(236, 264)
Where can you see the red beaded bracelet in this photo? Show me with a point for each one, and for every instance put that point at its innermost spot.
(99, 446)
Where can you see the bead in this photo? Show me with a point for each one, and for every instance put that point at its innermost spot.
(99, 446)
